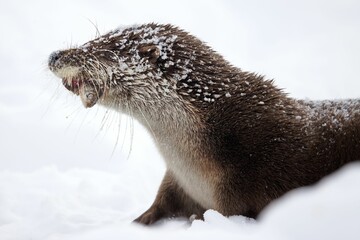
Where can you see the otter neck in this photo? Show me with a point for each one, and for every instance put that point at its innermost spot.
(180, 134)
(173, 124)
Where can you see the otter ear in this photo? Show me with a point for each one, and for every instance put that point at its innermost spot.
(151, 52)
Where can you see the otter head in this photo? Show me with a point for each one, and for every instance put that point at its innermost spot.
(145, 66)
(124, 65)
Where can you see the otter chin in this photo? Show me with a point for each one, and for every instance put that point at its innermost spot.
(232, 140)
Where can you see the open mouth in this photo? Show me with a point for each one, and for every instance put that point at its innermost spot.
(89, 91)
(73, 84)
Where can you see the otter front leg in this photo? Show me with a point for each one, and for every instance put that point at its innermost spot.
(171, 201)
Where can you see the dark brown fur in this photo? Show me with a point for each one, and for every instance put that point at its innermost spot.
(232, 141)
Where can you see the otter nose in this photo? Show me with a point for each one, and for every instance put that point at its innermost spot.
(53, 58)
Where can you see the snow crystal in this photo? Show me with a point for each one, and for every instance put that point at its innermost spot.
(334, 112)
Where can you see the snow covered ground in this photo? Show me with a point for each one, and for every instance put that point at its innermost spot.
(71, 173)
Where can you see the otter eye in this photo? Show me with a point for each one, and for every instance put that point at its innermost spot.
(151, 52)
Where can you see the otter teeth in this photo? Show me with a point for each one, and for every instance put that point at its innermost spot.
(89, 91)
(75, 83)
(72, 84)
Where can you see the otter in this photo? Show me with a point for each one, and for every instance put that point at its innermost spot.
(232, 141)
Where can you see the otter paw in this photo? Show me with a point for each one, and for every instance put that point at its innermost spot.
(195, 217)
(149, 217)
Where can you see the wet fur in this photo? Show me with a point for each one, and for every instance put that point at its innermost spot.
(232, 141)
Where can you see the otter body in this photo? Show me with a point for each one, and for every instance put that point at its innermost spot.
(231, 140)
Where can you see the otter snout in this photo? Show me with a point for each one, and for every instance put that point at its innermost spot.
(62, 59)
(53, 58)
(66, 64)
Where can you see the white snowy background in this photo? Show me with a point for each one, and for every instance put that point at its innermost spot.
(70, 173)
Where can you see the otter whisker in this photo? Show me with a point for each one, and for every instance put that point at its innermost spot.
(131, 131)
(81, 123)
(126, 130)
(105, 121)
(73, 115)
(97, 65)
(147, 123)
(109, 51)
(52, 99)
(97, 34)
(118, 129)
(101, 127)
